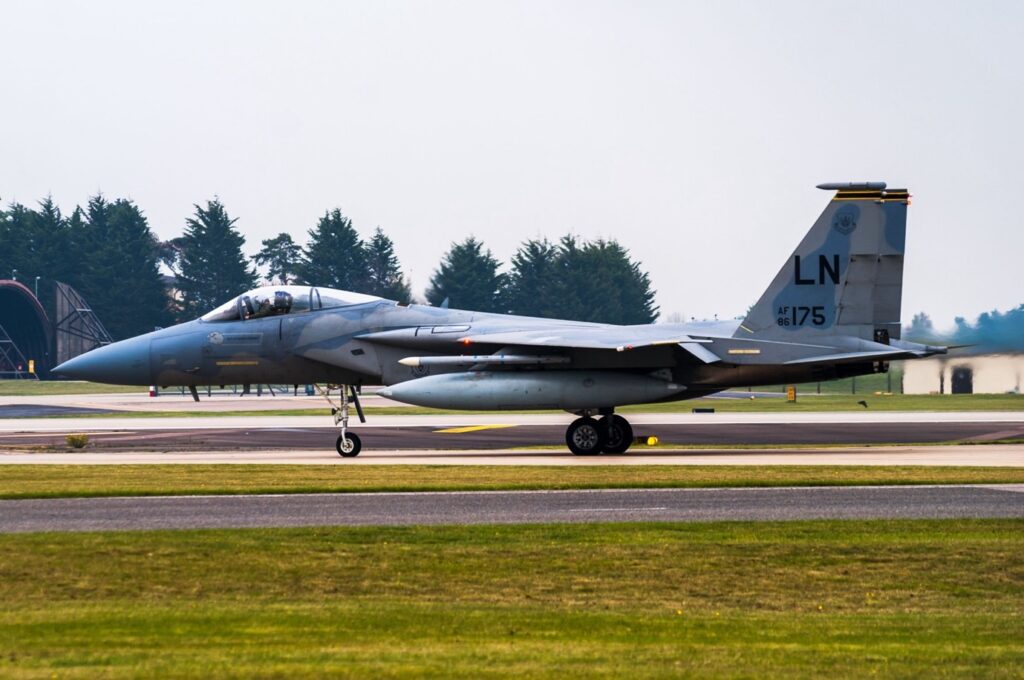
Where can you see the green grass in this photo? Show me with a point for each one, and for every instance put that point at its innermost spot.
(862, 384)
(51, 481)
(35, 388)
(798, 599)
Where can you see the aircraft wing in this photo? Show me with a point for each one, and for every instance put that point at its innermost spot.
(555, 337)
(617, 338)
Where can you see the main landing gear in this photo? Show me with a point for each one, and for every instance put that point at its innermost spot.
(348, 443)
(609, 434)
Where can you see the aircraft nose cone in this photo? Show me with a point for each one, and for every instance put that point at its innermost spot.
(121, 363)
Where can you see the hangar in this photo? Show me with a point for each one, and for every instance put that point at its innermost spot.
(31, 343)
(977, 374)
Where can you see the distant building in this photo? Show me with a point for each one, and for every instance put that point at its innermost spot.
(979, 374)
(31, 343)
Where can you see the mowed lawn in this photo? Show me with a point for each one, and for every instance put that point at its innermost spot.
(57, 481)
(800, 599)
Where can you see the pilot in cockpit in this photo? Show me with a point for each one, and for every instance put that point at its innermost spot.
(261, 305)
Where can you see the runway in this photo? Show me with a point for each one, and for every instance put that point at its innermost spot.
(504, 432)
(512, 507)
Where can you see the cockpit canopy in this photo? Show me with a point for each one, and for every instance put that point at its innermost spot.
(277, 300)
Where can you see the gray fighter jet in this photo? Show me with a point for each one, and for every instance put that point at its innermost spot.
(832, 311)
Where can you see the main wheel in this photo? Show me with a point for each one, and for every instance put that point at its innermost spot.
(618, 434)
(585, 437)
(349, 445)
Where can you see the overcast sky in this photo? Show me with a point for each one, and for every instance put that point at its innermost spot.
(693, 133)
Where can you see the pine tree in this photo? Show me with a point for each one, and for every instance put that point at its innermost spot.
(8, 245)
(144, 300)
(468, 277)
(59, 260)
(921, 328)
(532, 288)
(121, 278)
(334, 256)
(583, 281)
(384, 271)
(600, 282)
(213, 267)
(21, 255)
(281, 256)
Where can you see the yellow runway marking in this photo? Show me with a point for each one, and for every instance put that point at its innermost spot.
(472, 428)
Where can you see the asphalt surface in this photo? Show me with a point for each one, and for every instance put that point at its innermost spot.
(511, 507)
(46, 410)
(486, 437)
(992, 455)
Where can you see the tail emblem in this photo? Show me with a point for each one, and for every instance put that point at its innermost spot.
(845, 219)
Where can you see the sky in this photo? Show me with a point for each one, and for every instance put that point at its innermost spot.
(691, 132)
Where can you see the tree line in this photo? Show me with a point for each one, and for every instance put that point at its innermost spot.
(108, 252)
(993, 331)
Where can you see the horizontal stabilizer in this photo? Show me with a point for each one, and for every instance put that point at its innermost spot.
(702, 353)
(853, 357)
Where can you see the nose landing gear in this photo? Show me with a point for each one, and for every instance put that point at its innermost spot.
(586, 436)
(348, 443)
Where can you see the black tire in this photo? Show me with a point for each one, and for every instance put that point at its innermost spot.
(585, 437)
(618, 434)
(354, 442)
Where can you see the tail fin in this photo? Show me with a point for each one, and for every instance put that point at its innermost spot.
(845, 277)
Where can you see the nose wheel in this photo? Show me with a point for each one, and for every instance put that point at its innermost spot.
(587, 436)
(348, 443)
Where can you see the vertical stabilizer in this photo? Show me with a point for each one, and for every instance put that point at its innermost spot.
(845, 277)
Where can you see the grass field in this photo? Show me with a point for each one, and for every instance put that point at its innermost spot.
(28, 388)
(800, 599)
(51, 481)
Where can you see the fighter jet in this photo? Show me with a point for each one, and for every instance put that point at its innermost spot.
(832, 311)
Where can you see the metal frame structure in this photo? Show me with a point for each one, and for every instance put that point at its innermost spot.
(11, 358)
(78, 329)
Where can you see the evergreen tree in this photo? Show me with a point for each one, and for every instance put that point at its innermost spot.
(169, 253)
(468, 277)
(121, 279)
(610, 286)
(281, 256)
(383, 270)
(921, 328)
(213, 267)
(20, 249)
(7, 246)
(532, 287)
(34, 242)
(334, 256)
(588, 281)
(994, 331)
(58, 258)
